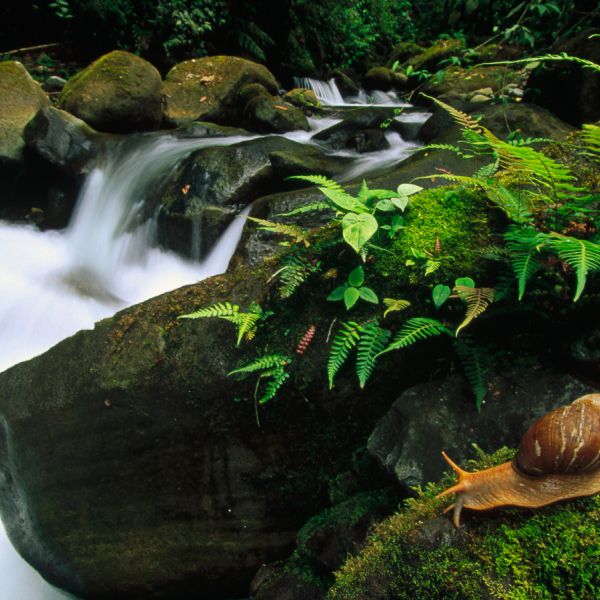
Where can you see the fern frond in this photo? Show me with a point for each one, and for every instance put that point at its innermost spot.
(306, 208)
(373, 340)
(269, 361)
(299, 234)
(582, 255)
(524, 246)
(393, 305)
(345, 340)
(463, 119)
(591, 139)
(476, 363)
(220, 309)
(514, 204)
(463, 179)
(477, 301)
(415, 329)
(278, 378)
(562, 57)
(246, 325)
(293, 274)
(321, 181)
(449, 147)
(246, 42)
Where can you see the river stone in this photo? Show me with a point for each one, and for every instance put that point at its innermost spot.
(206, 89)
(20, 99)
(566, 88)
(132, 466)
(383, 78)
(462, 80)
(267, 114)
(63, 140)
(440, 415)
(229, 178)
(118, 93)
(302, 98)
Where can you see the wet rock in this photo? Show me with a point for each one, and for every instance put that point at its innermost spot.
(54, 84)
(20, 99)
(382, 78)
(360, 131)
(202, 129)
(63, 140)
(431, 58)
(567, 89)
(403, 51)
(207, 89)
(345, 83)
(276, 582)
(266, 114)
(436, 416)
(302, 98)
(118, 93)
(479, 99)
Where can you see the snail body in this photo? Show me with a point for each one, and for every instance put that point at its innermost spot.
(558, 459)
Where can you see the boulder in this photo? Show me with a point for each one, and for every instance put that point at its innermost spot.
(133, 467)
(118, 93)
(266, 114)
(63, 140)
(383, 78)
(302, 98)
(461, 80)
(439, 415)
(403, 51)
(432, 56)
(569, 90)
(346, 85)
(206, 89)
(213, 184)
(360, 131)
(20, 99)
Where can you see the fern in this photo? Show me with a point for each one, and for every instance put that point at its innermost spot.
(449, 147)
(306, 208)
(294, 273)
(477, 301)
(562, 57)
(299, 234)
(278, 378)
(321, 181)
(393, 305)
(514, 204)
(273, 366)
(221, 309)
(373, 340)
(591, 139)
(269, 361)
(476, 364)
(582, 255)
(524, 246)
(464, 120)
(415, 329)
(345, 340)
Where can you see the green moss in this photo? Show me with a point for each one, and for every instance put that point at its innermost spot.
(511, 555)
(456, 218)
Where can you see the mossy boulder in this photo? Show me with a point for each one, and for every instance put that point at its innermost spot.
(266, 114)
(302, 98)
(461, 80)
(20, 99)
(383, 78)
(508, 555)
(403, 51)
(207, 89)
(432, 56)
(118, 93)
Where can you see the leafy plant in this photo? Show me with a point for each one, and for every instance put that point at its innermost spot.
(272, 368)
(353, 290)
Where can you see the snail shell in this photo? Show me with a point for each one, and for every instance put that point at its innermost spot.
(558, 458)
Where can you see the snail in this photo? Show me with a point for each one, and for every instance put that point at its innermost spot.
(558, 458)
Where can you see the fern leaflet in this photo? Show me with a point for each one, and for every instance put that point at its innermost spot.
(221, 309)
(415, 329)
(476, 364)
(299, 234)
(345, 340)
(306, 208)
(477, 301)
(269, 361)
(278, 378)
(524, 246)
(373, 340)
(293, 274)
(321, 181)
(393, 305)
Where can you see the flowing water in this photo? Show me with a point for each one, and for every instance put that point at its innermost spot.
(56, 283)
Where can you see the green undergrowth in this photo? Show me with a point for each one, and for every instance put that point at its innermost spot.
(449, 224)
(552, 553)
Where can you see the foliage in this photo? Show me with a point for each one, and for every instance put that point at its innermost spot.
(353, 290)
(552, 553)
(272, 367)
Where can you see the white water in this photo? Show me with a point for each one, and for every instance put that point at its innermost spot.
(57, 282)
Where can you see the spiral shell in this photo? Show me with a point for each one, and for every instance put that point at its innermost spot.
(566, 440)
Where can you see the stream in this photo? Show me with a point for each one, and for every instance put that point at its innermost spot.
(60, 282)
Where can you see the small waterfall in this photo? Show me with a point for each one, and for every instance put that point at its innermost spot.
(327, 92)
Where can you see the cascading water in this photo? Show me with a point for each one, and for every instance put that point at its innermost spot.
(61, 282)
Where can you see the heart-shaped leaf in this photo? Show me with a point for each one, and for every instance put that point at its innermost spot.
(401, 202)
(357, 277)
(464, 281)
(358, 229)
(406, 189)
(440, 294)
(385, 205)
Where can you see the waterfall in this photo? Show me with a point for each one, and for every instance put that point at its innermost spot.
(326, 92)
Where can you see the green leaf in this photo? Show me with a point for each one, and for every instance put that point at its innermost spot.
(357, 277)
(338, 293)
(407, 189)
(401, 202)
(465, 282)
(385, 205)
(357, 230)
(369, 295)
(351, 296)
(373, 340)
(345, 340)
(397, 223)
(343, 200)
(440, 294)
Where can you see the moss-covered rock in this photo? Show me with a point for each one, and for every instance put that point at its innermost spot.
(302, 98)
(509, 555)
(20, 99)
(118, 93)
(207, 89)
(383, 78)
(267, 114)
(461, 80)
(403, 51)
(432, 56)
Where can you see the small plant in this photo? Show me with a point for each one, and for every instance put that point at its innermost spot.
(272, 368)
(62, 9)
(353, 290)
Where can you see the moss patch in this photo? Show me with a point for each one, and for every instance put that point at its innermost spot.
(451, 220)
(511, 555)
